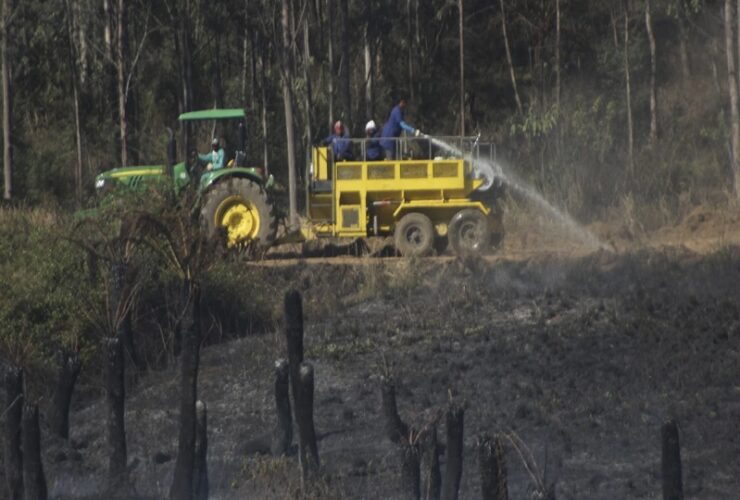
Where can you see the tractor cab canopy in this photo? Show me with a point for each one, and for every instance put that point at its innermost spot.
(213, 114)
(233, 139)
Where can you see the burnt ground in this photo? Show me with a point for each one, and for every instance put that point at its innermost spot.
(582, 358)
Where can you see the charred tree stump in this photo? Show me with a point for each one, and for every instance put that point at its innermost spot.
(201, 486)
(395, 428)
(283, 434)
(492, 469)
(432, 477)
(13, 456)
(115, 405)
(34, 481)
(453, 471)
(182, 481)
(308, 448)
(294, 338)
(671, 462)
(410, 470)
(69, 369)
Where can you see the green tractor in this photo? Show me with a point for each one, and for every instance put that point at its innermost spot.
(235, 199)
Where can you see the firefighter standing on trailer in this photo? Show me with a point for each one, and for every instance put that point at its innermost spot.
(393, 128)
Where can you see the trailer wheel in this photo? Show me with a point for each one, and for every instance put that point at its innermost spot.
(242, 210)
(469, 232)
(414, 235)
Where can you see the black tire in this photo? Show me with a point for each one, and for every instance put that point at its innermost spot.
(414, 235)
(239, 191)
(469, 232)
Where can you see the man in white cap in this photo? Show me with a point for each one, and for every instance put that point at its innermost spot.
(215, 159)
(373, 151)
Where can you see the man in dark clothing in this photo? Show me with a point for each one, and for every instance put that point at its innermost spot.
(341, 146)
(393, 128)
(373, 150)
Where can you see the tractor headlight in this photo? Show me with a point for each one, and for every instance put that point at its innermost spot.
(99, 183)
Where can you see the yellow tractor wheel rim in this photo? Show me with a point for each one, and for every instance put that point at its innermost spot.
(239, 217)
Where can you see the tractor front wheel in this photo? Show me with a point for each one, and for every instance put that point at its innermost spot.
(469, 232)
(414, 235)
(240, 210)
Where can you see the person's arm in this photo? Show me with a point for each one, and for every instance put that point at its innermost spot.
(408, 128)
(327, 140)
(205, 157)
(219, 163)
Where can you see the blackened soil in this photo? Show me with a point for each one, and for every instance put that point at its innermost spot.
(582, 359)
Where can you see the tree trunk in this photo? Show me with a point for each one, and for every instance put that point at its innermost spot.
(461, 37)
(283, 434)
(557, 55)
(732, 85)
(330, 57)
(492, 469)
(615, 29)
(344, 66)
(76, 77)
(12, 453)
(69, 369)
(628, 87)
(558, 134)
(34, 481)
(121, 65)
(247, 34)
(510, 62)
(7, 57)
(182, 481)
(307, 77)
(186, 75)
(410, 48)
(261, 61)
(200, 477)
(432, 477)
(653, 72)
(395, 428)
(367, 53)
(683, 44)
(453, 470)
(288, 106)
(293, 308)
(308, 448)
(115, 405)
(671, 462)
(410, 471)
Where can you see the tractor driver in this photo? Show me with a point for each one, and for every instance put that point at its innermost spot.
(215, 159)
(340, 143)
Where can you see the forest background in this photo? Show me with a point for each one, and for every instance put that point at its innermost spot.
(603, 105)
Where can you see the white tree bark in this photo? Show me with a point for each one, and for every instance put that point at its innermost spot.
(732, 85)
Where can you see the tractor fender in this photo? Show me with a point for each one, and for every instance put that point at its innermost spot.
(208, 179)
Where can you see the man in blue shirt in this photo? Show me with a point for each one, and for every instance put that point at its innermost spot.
(393, 128)
(340, 143)
(216, 158)
(373, 150)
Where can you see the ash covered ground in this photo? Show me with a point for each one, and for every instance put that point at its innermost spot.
(583, 358)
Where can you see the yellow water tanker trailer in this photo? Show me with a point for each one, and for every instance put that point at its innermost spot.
(424, 203)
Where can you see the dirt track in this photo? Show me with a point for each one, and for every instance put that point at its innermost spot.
(582, 356)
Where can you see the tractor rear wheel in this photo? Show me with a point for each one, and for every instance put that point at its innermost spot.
(241, 210)
(469, 232)
(414, 235)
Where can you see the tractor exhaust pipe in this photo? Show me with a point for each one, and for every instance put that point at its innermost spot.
(171, 152)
